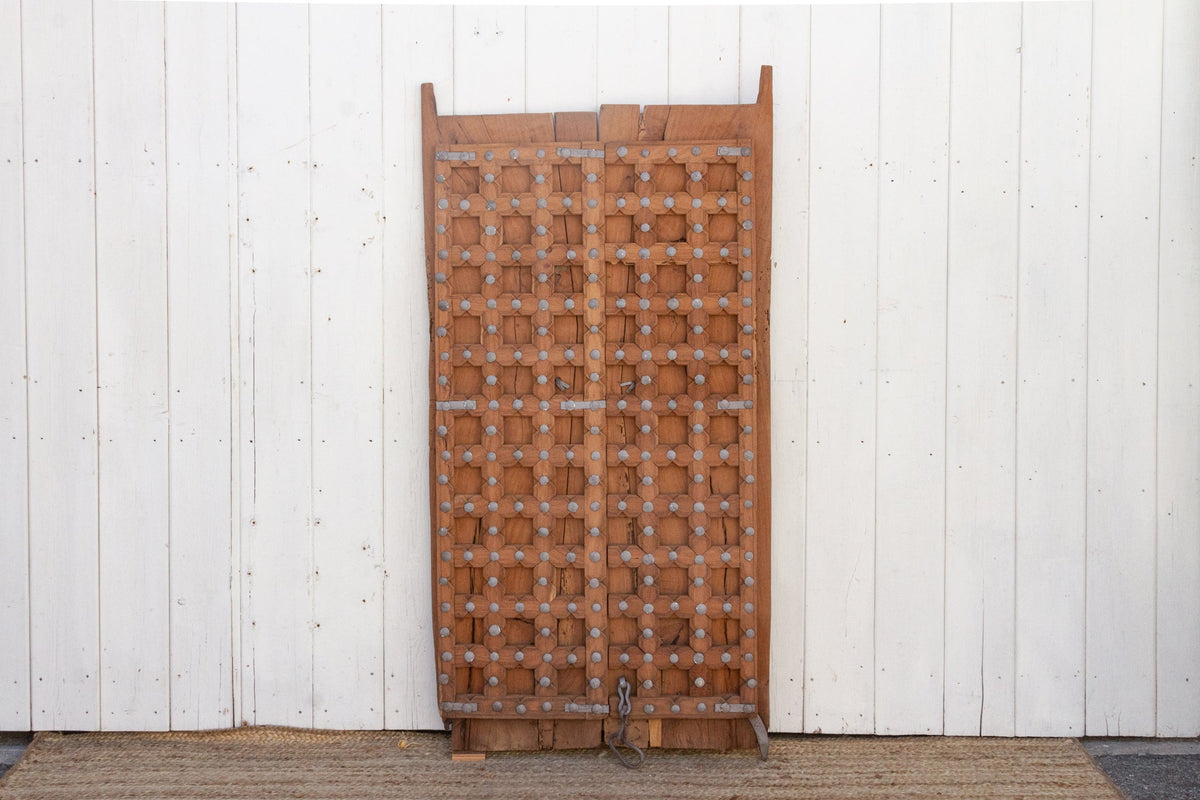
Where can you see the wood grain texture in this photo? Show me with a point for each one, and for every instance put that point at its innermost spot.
(60, 292)
(981, 345)
(1178, 502)
(347, 317)
(274, 215)
(1122, 366)
(14, 442)
(131, 325)
(413, 52)
(201, 286)
(839, 596)
(1052, 369)
(910, 448)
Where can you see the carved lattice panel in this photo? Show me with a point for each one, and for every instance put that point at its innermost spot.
(599, 474)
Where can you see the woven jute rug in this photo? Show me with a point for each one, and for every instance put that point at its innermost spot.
(278, 763)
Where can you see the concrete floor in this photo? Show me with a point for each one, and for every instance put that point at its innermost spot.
(1144, 769)
(1150, 769)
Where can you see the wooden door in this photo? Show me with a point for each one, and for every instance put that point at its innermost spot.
(599, 290)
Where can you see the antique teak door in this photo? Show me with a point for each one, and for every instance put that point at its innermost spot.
(599, 291)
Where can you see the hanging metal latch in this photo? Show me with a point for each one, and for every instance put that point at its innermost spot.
(624, 706)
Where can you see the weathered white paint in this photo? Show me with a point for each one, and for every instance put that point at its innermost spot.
(843, 283)
(201, 246)
(981, 345)
(131, 325)
(974, 494)
(14, 483)
(910, 448)
(347, 393)
(60, 318)
(1178, 601)
(275, 258)
(1052, 369)
(1122, 375)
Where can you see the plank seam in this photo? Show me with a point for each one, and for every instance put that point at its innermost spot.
(96, 376)
(807, 383)
(879, 13)
(946, 355)
(1157, 336)
(1016, 371)
(166, 244)
(1087, 354)
(25, 322)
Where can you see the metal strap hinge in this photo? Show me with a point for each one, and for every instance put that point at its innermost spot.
(578, 152)
(583, 405)
(733, 151)
(447, 155)
(733, 708)
(455, 405)
(577, 708)
(727, 404)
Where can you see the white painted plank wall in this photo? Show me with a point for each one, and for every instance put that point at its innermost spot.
(60, 308)
(910, 448)
(131, 329)
(489, 52)
(702, 54)
(639, 34)
(347, 393)
(1122, 348)
(201, 264)
(1052, 369)
(14, 483)
(274, 215)
(981, 343)
(843, 283)
(561, 69)
(1178, 501)
(970, 284)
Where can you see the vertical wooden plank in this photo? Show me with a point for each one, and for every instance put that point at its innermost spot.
(639, 34)
(560, 58)
(274, 215)
(779, 36)
(910, 451)
(1179, 378)
(702, 54)
(60, 273)
(1052, 368)
(200, 190)
(1122, 359)
(14, 488)
(489, 59)
(839, 597)
(131, 292)
(414, 50)
(347, 365)
(981, 334)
